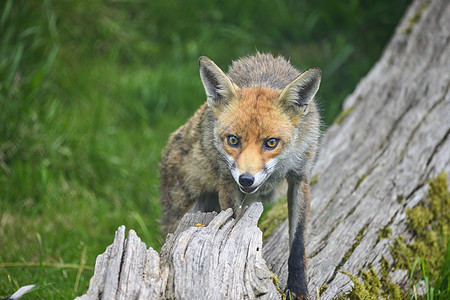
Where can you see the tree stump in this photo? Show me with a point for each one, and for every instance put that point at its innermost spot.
(209, 256)
(374, 164)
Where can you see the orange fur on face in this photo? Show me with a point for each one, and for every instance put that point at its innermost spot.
(254, 117)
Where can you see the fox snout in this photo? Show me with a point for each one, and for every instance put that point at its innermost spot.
(248, 184)
(246, 181)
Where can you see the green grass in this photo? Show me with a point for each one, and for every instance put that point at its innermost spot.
(90, 90)
(427, 288)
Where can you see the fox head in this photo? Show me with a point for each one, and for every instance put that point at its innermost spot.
(255, 126)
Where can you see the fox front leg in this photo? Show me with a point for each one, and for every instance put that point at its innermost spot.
(298, 206)
(227, 195)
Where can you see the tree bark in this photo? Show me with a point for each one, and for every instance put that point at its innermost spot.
(373, 165)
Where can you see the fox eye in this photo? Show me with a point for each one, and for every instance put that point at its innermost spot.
(271, 143)
(233, 141)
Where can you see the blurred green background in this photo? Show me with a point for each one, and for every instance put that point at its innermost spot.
(90, 91)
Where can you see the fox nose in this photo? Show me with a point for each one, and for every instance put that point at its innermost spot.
(246, 180)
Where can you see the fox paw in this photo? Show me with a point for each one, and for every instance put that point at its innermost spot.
(294, 296)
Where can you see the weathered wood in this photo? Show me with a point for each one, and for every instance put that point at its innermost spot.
(220, 258)
(376, 162)
(126, 270)
(372, 166)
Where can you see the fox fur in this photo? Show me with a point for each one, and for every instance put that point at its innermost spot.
(257, 132)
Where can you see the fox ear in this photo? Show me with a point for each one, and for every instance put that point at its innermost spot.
(218, 87)
(297, 95)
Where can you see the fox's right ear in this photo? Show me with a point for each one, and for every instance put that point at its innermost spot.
(218, 87)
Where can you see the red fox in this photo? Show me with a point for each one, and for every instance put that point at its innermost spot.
(258, 129)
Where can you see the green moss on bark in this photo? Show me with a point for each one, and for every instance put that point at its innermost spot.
(274, 217)
(373, 285)
(384, 233)
(276, 281)
(415, 18)
(430, 223)
(343, 115)
(368, 289)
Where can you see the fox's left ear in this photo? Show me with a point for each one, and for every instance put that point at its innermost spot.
(218, 87)
(297, 95)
